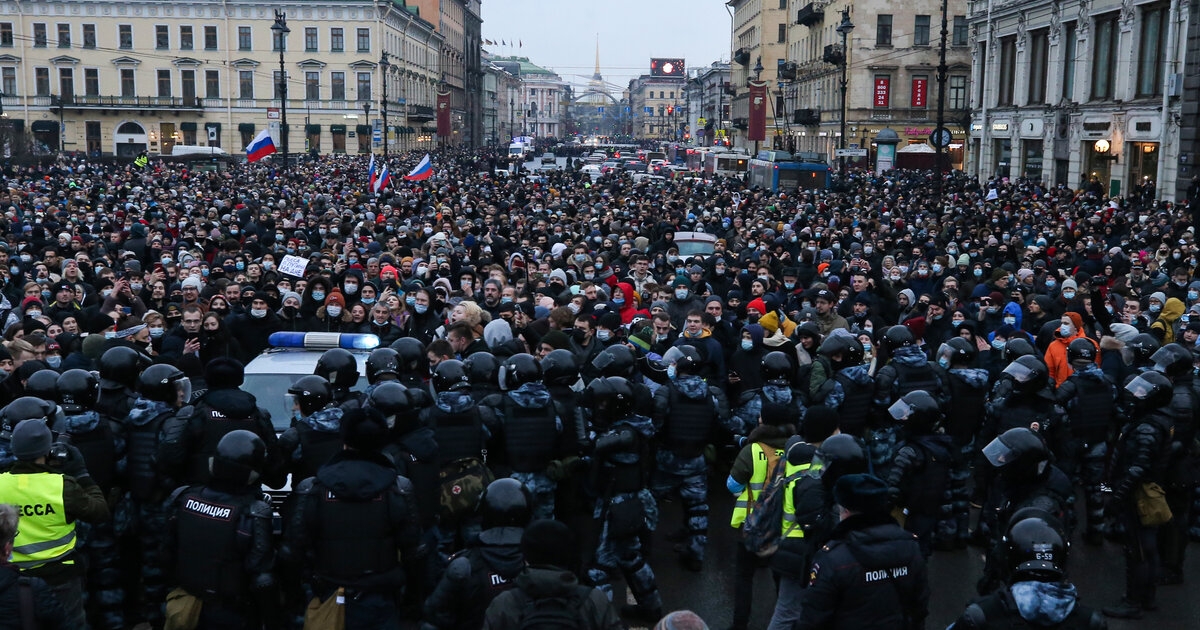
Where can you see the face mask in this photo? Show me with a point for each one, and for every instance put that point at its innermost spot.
(45, 296)
(1066, 330)
(33, 314)
(671, 372)
(1109, 308)
(318, 295)
(351, 261)
(604, 335)
(106, 292)
(410, 300)
(720, 270)
(993, 309)
(998, 344)
(747, 344)
(26, 258)
(268, 265)
(903, 269)
(351, 289)
(1011, 321)
(1050, 283)
(233, 231)
(1154, 308)
(937, 269)
(156, 332)
(421, 308)
(422, 270)
(618, 301)
(944, 362)
(868, 250)
(1069, 295)
(135, 286)
(54, 361)
(866, 347)
(204, 272)
(938, 317)
(662, 337)
(1193, 295)
(789, 285)
(681, 294)
(14, 270)
(574, 308)
(333, 311)
(957, 320)
(258, 313)
(240, 266)
(589, 276)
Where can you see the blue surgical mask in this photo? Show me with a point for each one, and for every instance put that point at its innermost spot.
(318, 295)
(368, 301)
(618, 301)
(1050, 283)
(681, 294)
(1193, 296)
(866, 347)
(603, 334)
(998, 344)
(789, 285)
(421, 308)
(1066, 330)
(1068, 295)
(747, 344)
(1154, 308)
(54, 361)
(671, 372)
(978, 273)
(240, 266)
(1010, 320)
(410, 300)
(944, 362)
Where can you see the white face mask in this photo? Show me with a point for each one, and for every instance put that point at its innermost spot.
(333, 311)
(258, 313)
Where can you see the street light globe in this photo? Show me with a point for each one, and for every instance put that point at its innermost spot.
(846, 26)
(1102, 146)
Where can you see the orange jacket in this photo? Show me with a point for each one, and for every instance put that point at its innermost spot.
(1056, 354)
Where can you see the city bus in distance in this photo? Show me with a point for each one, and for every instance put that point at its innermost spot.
(695, 158)
(779, 170)
(726, 164)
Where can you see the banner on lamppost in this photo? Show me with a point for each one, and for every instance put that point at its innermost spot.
(443, 114)
(758, 111)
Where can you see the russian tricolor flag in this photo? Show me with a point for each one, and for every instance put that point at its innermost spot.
(261, 147)
(385, 178)
(423, 170)
(371, 173)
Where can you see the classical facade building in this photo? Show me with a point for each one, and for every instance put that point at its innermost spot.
(501, 90)
(1072, 91)
(459, 23)
(119, 78)
(541, 103)
(759, 52)
(656, 104)
(708, 103)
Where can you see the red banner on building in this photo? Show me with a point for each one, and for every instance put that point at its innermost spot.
(443, 114)
(883, 91)
(758, 111)
(920, 91)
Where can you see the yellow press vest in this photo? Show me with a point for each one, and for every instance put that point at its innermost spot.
(44, 535)
(757, 482)
(792, 529)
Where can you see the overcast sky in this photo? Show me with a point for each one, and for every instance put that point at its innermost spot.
(561, 34)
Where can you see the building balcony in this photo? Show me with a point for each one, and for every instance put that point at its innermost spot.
(93, 101)
(420, 113)
(810, 15)
(807, 117)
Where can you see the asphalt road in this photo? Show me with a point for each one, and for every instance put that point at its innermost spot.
(1098, 572)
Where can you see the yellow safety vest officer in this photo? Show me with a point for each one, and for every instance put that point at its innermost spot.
(763, 462)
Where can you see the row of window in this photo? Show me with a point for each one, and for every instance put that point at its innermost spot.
(187, 83)
(922, 92)
(1150, 63)
(186, 37)
(921, 30)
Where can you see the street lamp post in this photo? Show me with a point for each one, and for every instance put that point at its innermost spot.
(495, 140)
(384, 65)
(758, 68)
(367, 116)
(844, 29)
(941, 105)
(512, 110)
(280, 29)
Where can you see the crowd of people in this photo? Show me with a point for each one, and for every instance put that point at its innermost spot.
(919, 365)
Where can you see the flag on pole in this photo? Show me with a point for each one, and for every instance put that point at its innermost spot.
(520, 44)
(385, 178)
(260, 147)
(371, 173)
(423, 170)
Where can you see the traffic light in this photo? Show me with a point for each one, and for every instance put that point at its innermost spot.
(670, 109)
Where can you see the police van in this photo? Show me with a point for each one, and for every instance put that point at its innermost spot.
(289, 357)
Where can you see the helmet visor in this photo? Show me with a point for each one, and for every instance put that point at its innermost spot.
(1162, 358)
(673, 355)
(944, 352)
(900, 410)
(1140, 388)
(998, 453)
(1018, 372)
(603, 360)
(184, 387)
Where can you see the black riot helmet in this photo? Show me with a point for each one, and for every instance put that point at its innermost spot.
(559, 367)
(616, 360)
(1019, 454)
(382, 362)
(122, 365)
(610, 399)
(958, 352)
(849, 347)
(311, 393)
(78, 391)
(685, 359)
(1172, 359)
(918, 411)
(412, 356)
(1017, 348)
(340, 368)
(165, 383)
(776, 369)
(1035, 547)
(396, 404)
(1149, 390)
(1143, 346)
(1028, 373)
(505, 503)
(240, 458)
(483, 368)
(896, 337)
(519, 369)
(43, 384)
(840, 455)
(450, 376)
(27, 408)
(1081, 350)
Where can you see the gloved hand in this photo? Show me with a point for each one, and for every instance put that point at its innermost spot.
(73, 464)
(555, 471)
(740, 441)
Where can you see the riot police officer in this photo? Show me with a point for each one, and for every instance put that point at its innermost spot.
(968, 397)
(532, 431)
(95, 436)
(486, 568)
(1142, 453)
(1175, 361)
(907, 370)
(163, 391)
(411, 446)
(1038, 593)
(920, 476)
(624, 506)
(686, 412)
(355, 527)
(483, 371)
(852, 385)
(316, 433)
(340, 368)
(618, 360)
(414, 365)
(188, 443)
(119, 370)
(776, 371)
(560, 374)
(219, 544)
(1089, 399)
(383, 365)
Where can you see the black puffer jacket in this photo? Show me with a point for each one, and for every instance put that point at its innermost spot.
(47, 612)
(475, 578)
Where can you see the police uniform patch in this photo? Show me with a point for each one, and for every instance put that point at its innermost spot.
(812, 574)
